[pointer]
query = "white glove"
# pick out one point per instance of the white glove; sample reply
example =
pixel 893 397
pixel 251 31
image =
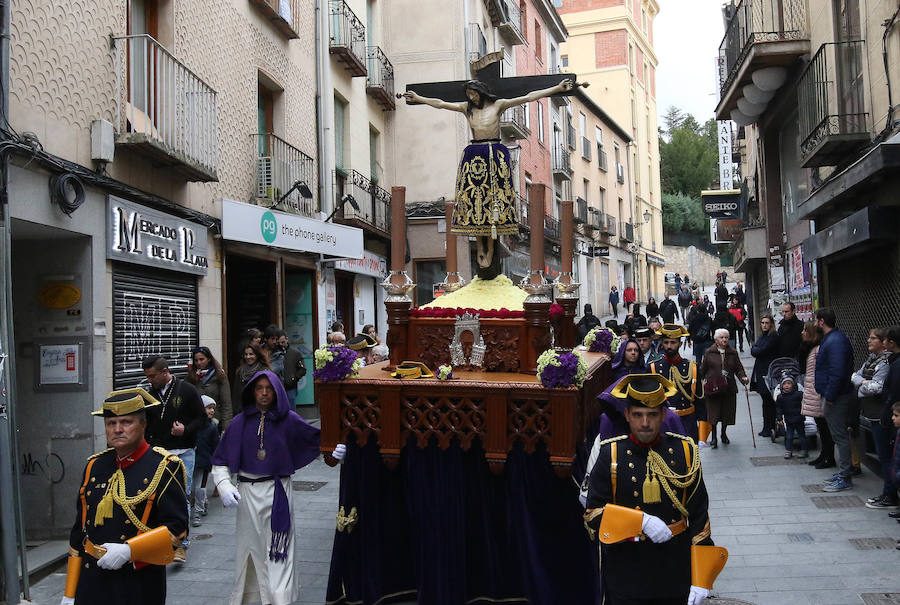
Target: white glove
pixel 697 596
pixel 116 556
pixel 702 444
pixel 67 601
pixel 340 450
pixel 229 494
pixel 655 529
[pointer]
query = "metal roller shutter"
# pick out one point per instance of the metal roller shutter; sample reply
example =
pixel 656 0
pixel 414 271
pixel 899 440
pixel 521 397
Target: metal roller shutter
pixel 154 313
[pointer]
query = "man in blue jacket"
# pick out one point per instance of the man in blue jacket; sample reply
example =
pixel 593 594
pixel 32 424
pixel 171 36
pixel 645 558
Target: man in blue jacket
pixel 834 366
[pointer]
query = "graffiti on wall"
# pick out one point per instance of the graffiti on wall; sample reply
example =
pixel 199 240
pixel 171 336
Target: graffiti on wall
pixel 52 467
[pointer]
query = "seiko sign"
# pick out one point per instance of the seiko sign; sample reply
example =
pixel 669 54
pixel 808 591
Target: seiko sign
pixel 137 234
pixel 721 204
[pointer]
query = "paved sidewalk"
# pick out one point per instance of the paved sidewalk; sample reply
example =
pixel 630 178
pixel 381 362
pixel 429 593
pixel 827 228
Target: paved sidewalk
pixel 787 546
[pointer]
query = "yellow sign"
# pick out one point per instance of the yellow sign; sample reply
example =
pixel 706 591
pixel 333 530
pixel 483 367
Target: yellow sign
pixel 59 295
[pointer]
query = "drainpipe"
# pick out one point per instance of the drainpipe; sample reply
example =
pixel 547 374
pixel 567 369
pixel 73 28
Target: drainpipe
pixel 635 282
pixel 10 511
pixel 324 108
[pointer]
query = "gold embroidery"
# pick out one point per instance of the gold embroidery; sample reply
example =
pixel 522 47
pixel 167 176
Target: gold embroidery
pixel 345 521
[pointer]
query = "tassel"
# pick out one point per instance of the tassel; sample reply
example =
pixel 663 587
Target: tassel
pixel 105 506
pixel 493 231
pixel 651 490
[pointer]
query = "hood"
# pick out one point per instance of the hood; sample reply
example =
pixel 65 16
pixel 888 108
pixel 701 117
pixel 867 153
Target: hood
pixel 618 359
pixel 282 404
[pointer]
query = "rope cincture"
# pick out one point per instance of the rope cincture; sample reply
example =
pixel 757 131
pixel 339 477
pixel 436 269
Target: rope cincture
pixel 667 477
pixel 115 493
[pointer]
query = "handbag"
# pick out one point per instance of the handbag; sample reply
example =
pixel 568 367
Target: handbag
pixel 716 384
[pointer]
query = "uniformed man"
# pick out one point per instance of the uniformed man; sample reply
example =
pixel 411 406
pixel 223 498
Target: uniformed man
pixel 647 505
pixel 130 513
pixel 682 373
pixel 644 338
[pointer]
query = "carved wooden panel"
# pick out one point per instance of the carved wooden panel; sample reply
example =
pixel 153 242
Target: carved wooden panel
pixel 360 415
pixel 528 420
pixel 503 353
pixel 443 418
pixel 430 344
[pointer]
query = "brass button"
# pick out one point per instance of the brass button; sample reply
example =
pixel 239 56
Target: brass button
pixel 93 479
pixel 628 452
pixel 670 451
pixel 146 481
pixel 122 537
pixel 637 508
pixel 634 479
pixel 635 494
pixel 631 465
pixel 86 565
pixel 672 462
pixel 127 521
pixel 89 492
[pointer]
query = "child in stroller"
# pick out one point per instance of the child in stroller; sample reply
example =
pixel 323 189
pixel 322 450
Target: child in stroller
pixel 788 404
pixel 777 371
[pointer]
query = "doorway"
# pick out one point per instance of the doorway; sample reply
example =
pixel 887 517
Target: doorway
pixel 250 300
pixel 343 289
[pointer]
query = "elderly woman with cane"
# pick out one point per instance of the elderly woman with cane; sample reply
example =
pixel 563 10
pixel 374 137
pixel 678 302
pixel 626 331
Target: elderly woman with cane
pixel 718 370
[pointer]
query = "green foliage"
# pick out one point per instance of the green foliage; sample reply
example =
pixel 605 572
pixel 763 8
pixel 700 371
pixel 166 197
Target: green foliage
pixel 688 154
pixel 681 213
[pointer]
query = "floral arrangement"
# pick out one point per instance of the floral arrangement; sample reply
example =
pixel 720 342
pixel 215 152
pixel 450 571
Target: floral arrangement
pixel 497 293
pixel 561 368
pixel 335 363
pixel 444 372
pixel 503 313
pixel 602 340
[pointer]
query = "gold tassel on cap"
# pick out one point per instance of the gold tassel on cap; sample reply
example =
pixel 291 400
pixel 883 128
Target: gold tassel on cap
pixel 105 506
pixel 651 489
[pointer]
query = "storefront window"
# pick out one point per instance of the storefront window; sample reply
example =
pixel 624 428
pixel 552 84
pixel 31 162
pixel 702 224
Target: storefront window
pixel 299 323
pixel 428 273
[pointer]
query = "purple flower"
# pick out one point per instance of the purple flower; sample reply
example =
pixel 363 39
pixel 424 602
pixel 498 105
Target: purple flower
pixel 602 342
pixel 338 368
pixel 563 375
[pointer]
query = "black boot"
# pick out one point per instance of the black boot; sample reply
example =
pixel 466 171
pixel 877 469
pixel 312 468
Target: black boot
pixel 725 438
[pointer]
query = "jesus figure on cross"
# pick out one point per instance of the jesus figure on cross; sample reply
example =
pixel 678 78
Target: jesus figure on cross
pixel 485 196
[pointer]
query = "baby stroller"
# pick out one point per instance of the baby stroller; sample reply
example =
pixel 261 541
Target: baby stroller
pixel 780 369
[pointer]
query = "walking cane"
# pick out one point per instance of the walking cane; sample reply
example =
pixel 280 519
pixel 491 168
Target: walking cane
pixel 750 415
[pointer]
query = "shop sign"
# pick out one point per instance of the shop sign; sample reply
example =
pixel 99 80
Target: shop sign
pixel 600 251
pixel 141 235
pixel 258 225
pixel 370 264
pixel 722 231
pixel 656 260
pixel 721 204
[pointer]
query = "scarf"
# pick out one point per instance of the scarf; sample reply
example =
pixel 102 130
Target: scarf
pixel 245 372
pixel 871 364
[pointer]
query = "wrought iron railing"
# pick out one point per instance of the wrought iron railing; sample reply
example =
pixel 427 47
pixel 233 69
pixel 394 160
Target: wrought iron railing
pixel 380 71
pixel 522 203
pixel 570 136
pixel 286 15
pixel 279 165
pixel 515 116
pixel 830 94
pixel 551 227
pixel 347 31
pixel 373 201
pixel 759 21
pixel 158 96
pixel 581 210
pixel 560 160
pixel 513 16
pixel 627 232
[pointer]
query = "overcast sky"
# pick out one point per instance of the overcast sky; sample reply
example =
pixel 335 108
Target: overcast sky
pixel 687 35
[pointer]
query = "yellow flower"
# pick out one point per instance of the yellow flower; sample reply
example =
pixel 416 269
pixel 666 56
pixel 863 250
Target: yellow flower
pixel 498 293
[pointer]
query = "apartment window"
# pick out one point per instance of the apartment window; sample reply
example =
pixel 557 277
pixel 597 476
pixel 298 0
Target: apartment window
pixel 565 60
pixel 538 43
pixel 601 201
pixel 371 30
pixel 598 134
pixel 621 210
pixel 374 155
pixel 633 115
pixel 523 9
pixel 340 133
pixel 540 125
pixel 527 116
pixel 631 59
pixel 616 153
pixel 582 124
pixel 268 96
pixel 646 76
pixel 587 186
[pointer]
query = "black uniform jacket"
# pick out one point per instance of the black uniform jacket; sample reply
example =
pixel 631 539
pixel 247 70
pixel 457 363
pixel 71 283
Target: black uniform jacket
pixel 127 585
pixel 643 569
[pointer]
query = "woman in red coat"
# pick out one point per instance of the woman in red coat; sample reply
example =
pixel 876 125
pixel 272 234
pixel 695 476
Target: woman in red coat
pixel 628 297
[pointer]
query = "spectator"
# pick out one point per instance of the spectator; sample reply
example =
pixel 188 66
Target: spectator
pixel 652 308
pixel 764 352
pixel 253 336
pixel 207 440
pixel 337 326
pixel 813 404
pixel 614 301
pixel 721 293
pixel 588 322
pixel 788 404
pixel 700 327
pixel 207 375
pixel 789 330
pixel 890 394
pixel 710 309
pixel 724 319
pixel 740 317
pixel 684 302
pixel 273 351
pixel 894 469
pixel 337 338
pixel 717 370
pixel 294 368
pixel 635 319
pixel 369 330
pixel 869 382
pixel 253 360
pixel 668 310
pixel 655 326
pixel 677 283
pixel 629 297
pixel 834 365
pixel 740 295
pixel 380 353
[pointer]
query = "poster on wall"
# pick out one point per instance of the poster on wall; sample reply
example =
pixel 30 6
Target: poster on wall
pixel 299 324
pixel 800 284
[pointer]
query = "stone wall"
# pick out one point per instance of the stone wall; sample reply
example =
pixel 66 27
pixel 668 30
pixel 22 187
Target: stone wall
pixel 705 265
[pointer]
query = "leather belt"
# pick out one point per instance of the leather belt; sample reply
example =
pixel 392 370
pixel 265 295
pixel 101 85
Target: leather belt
pixel 678 527
pixel 92 549
pixel 684 412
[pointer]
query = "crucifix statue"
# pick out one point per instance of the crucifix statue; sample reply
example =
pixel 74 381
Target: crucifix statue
pixel 485 195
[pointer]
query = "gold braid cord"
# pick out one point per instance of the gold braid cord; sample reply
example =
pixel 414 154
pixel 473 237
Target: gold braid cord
pixel 669 479
pixel 681 382
pixel 115 493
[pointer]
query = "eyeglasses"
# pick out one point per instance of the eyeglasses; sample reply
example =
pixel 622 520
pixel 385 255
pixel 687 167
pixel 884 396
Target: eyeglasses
pixel 873 338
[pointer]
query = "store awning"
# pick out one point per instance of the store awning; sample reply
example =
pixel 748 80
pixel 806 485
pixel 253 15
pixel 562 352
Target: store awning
pixel 867 227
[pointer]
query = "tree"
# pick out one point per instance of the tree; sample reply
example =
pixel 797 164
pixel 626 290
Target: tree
pixel 681 213
pixel 688 154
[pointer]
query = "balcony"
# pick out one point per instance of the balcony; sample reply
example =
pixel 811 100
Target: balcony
pixel 581 211
pixel 164 111
pixel 278 166
pixel 374 214
pixel 348 38
pixel 833 124
pixel 595 219
pixel 609 227
pixel 512 123
pixel 522 206
pixel 570 137
pixel 380 79
pixel 510 23
pixel 601 157
pixel 585 149
pixel 284 15
pixel 750 248
pixel 551 228
pixel 561 164
pixel 627 232
pixel 477 42
pixel 759 34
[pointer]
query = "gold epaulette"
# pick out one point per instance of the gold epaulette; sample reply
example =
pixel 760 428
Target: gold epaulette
pixel 98 454
pixel 683 438
pixel 611 439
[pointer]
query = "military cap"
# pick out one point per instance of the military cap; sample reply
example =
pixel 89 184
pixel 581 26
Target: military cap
pixel 359 343
pixel 648 390
pixel 672 331
pixel 643 332
pixel 412 369
pixel 126 401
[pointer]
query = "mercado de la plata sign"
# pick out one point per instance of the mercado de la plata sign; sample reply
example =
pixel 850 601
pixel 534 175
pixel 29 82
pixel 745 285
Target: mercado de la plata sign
pixel 141 235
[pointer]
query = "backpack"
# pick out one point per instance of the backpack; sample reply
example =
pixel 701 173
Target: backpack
pixel 703 333
pixel 684 298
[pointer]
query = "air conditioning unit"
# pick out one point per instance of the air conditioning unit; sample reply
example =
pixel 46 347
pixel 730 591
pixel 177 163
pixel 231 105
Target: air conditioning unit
pixel 265 178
